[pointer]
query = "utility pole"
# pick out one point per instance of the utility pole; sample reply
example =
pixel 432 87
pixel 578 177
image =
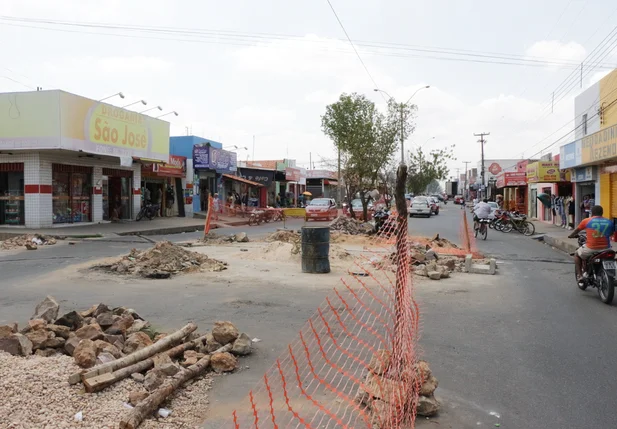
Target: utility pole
pixel 339 181
pixel 482 141
pixel 310 160
pixel 402 134
pixel 253 147
pixel 465 193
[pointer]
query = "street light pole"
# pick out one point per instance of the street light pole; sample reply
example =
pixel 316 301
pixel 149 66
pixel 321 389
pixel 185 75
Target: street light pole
pixel 402 105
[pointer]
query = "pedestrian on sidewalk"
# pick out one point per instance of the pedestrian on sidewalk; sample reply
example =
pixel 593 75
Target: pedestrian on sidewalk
pixel 216 207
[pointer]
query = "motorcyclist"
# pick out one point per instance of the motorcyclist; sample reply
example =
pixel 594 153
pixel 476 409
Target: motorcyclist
pixel 481 211
pixel 598 230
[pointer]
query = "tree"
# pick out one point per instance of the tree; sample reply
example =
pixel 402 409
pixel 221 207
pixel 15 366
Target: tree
pixel 365 139
pixel 387 180
pixel 434 187
pixel 424 168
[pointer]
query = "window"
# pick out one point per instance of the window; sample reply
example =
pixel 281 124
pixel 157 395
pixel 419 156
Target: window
pixel 585 124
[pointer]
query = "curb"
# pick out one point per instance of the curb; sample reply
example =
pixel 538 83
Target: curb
pixel 163 231
pixel 567 246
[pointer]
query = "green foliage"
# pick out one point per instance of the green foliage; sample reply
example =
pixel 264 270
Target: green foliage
pixel 366 140
pixel 434 187
pixel 424 168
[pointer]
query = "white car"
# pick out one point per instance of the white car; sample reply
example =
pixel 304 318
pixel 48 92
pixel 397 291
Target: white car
pixel 420 206
pixel 494 207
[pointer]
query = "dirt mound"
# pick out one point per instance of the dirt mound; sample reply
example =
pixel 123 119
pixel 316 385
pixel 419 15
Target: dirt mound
pixel 442 242
pixel 286 236
pixel 350 226
pixel 29 241
pixel 162 261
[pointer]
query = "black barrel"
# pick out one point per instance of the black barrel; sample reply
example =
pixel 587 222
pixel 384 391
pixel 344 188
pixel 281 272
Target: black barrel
pixel 316 249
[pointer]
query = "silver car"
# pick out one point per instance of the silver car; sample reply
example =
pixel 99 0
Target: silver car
pixel 420 206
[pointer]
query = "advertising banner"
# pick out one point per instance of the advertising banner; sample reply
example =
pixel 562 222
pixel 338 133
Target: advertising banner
pixel 321 174
pixel 570 155
pixel 295 174
pixel 60 120
pixel 510 179
pixel 265 177
pixel 176 167
pixel 600 146
pixel 223 161
pixel 546 172
pixel 201 157
pixel 585 174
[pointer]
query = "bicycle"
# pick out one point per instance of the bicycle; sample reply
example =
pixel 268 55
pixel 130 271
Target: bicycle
pixel 481 227
pixel 520 224
pixel 256 218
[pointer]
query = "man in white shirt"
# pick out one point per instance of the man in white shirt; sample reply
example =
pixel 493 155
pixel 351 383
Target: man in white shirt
pixel 481 211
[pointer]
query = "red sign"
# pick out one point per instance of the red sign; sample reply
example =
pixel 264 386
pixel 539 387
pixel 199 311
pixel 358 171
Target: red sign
pixel 510 179
pixel 494 169
pixel 295 174
pixel 175 168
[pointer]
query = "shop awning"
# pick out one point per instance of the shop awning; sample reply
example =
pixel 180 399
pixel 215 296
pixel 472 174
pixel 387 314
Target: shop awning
pixel 511 179
pixel 241 180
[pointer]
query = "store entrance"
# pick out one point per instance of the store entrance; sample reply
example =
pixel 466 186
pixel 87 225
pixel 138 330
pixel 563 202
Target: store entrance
pixel 12 193
pixel 71 193
pixel 117 194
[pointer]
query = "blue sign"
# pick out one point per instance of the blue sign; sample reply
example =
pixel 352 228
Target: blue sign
pixel 201 157
pixel 585 174
pixel 210 158
pixel 570 155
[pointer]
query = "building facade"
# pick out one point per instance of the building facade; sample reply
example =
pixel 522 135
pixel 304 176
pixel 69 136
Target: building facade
pixel 66 159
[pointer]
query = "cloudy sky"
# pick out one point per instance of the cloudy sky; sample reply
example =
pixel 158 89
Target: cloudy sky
pixel 238 69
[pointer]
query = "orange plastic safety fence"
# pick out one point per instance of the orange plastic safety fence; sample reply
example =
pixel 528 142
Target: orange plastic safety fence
pixel 353 364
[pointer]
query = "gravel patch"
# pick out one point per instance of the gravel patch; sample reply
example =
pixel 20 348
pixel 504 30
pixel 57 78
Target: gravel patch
pixel 35 393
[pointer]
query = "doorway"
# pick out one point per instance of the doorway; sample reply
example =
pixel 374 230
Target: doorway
pixel 117 195
pixel 533 203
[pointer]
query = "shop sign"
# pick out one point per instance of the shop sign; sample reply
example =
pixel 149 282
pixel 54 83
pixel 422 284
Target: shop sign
pixel 494 169
pixel 59 120
pixel 321 174
pixel 295 174
pixel 176 167
pixel 600 146
pixel 585 174
pixel 570 155
pixel 201 157
pixel 546 172
pixel 265 177
pixel 510 179
pixel 223 161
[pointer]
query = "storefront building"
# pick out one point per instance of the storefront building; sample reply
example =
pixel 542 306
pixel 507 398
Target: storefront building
pixel 545 177
pixel 513 184
pixel 210 163
pixel 322 183
pixel 296 184
pixel 267 193
pixel 162 184
pixel 66 159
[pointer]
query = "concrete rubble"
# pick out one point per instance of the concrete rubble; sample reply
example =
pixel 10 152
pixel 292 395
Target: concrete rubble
pixel 87 345
pixel 29 241
pixel 381 391
pixel 350 226
pixel 162 261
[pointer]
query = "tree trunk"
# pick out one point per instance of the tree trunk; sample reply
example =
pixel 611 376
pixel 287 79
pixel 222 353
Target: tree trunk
pixel 139 355
pixel 146 407
pixel 100 382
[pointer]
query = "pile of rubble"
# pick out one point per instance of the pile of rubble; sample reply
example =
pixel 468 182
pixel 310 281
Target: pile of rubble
pixel 213 238
pixel 29 241
pixel 284 235
pixel 381 392
pixel 161 261
pixel 437 241
pixel 350 226
pixel 116 345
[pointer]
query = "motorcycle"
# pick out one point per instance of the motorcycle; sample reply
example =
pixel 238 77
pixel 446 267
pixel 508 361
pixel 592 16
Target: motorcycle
pixel 599 271
pixel 383 223
pixel 148 210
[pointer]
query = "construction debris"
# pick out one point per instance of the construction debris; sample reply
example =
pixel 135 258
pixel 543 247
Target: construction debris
pixel 284 235
pixel 29 241
pixel 437 241
pixel 350 226
pixel 380 392
pixel 162 261
pixel 146 372
pixel 214 238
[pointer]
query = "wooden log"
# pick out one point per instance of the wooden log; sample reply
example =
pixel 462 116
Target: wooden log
pixel 135 357
pixel 146 407
pixel 156 398
pixel 100 382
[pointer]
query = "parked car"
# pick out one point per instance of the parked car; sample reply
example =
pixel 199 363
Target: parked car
pixel 356 206
pixel 434 202
pixel 321 209
pixel 458 199
pixel 494 207
pixel 420 206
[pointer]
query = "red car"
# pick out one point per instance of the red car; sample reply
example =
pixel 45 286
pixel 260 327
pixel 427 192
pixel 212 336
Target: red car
pixel 459 199
pixel 321 209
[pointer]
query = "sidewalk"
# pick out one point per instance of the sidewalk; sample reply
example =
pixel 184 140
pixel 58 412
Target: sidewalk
pixel 555 236
pixel 157 226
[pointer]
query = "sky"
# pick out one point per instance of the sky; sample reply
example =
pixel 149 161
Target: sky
pixel 244 71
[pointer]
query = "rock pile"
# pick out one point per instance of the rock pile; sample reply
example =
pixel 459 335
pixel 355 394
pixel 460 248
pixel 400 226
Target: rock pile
pixel 350 226
pixel 213 238
pixel 115 345
pixel 437 241
pixel 440 269
pixel 286 236
pixel 29 241
pixel 162 261
pixel 381 393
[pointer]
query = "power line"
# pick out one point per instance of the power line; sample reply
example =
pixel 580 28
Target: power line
pixel 253 39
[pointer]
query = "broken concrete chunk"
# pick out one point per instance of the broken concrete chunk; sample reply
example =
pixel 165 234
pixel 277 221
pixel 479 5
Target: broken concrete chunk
pixel 59 331
pixel 72 320
pixel 137 396
pixel 39 337
pixel 170 369
pixel 242 346
pixel 154 379
pixel 429 386
pixel 16 344
pixel 380 362
pixel 105 320
pixel 104 357
pixel 85 353
pixel 47 310
pixel 225 332
pixel 137 326
pixel 8 330
pixel 434 275
pixel 71 344
pixel 46 352
pixel 136 341
pixel 54 343
pixel 211 344
pixel 427 406
pixel 90 332
pixel 138 377
pixel 241 237
pixel 223 362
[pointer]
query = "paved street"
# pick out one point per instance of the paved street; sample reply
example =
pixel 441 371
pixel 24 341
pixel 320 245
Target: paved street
pixel 525 344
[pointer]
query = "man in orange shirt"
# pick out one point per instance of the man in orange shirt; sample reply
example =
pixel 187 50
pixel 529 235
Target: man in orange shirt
pixel 599 231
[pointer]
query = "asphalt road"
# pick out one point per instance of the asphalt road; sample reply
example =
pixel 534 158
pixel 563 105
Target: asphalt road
pixel 526 344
